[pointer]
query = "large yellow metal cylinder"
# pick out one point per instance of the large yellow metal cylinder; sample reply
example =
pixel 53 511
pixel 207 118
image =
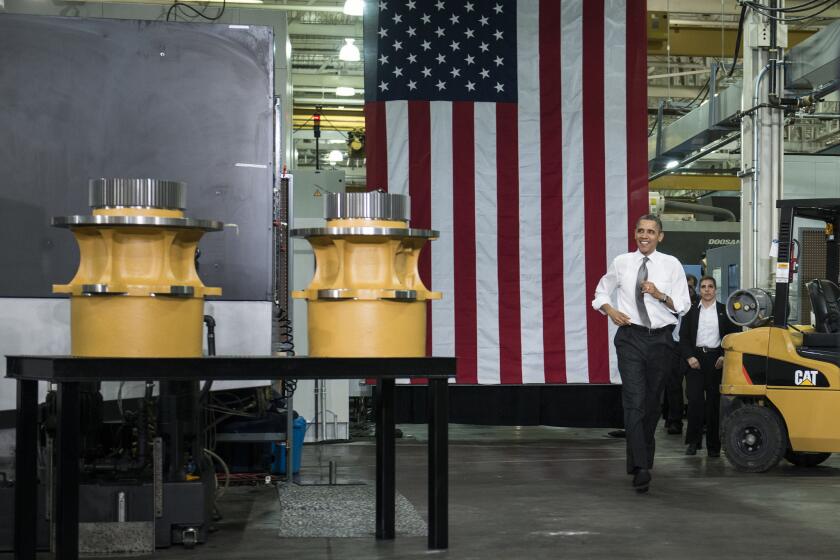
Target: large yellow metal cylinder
pixel 136 292
pixel 366 297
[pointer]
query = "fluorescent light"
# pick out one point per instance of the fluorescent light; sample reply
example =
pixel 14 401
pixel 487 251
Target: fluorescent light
pixel 354 7
pixel 335 157
pixel 671 164
pixel 345 91
pixel 349 52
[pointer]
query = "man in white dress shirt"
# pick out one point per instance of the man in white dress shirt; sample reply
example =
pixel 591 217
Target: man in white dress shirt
pixel 650 292
pixel 700 336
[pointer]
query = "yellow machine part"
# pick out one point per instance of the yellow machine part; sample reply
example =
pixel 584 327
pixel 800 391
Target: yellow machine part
pixel 126 326
pixel 140 266
pixel 809 412
pixel 367 328
pixel 367 277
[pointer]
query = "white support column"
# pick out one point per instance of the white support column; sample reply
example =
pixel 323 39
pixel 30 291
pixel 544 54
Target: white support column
pixel 758 223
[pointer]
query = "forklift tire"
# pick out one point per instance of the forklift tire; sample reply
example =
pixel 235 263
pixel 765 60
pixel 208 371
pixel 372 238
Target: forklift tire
pixel 754 439
pixel 803 459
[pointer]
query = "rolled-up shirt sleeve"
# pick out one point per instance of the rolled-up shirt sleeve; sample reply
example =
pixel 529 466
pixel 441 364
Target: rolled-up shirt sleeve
pixel 606 286
pixel 679 295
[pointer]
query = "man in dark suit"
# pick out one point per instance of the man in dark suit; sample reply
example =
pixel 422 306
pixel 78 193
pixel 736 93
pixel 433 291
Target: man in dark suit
pixel 673 403
pixel 701 332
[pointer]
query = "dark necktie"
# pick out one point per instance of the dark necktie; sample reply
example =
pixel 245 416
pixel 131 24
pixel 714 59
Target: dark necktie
pixel 641 276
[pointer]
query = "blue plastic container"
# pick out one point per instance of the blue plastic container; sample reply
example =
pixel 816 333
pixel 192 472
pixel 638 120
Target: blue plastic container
pixel 278 449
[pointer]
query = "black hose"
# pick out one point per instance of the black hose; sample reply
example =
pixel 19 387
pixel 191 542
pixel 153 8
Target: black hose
pixel 738 40
pixel 211 351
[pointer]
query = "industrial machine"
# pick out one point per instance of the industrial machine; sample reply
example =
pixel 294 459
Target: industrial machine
pixel 780 393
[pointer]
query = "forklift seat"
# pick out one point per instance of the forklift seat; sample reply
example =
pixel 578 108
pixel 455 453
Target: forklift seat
pixel 825 301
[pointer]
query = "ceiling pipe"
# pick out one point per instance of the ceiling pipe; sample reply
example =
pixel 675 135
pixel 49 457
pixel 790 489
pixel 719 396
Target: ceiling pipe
pixel 696 208
pixel 706 150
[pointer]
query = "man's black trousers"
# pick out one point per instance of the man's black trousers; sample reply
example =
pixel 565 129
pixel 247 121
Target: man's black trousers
pixel 702 387
pixel 644 358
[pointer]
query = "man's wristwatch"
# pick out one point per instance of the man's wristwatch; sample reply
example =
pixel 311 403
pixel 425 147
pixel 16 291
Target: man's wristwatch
pixel 664 298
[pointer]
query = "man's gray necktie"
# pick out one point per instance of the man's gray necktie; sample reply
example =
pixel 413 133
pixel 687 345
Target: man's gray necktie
pixel 641 276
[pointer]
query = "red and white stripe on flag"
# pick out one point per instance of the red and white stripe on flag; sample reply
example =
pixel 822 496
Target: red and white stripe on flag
pixel 532 199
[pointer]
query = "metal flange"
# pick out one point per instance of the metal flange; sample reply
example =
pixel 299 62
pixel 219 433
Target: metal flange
pixel 142 221
pixel 365 231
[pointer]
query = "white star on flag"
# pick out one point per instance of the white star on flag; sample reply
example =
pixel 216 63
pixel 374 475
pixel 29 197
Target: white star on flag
pixel 411 32
pixel 397 18
pixel 440 32
pixel 412 85
pixel 383 86
pixel 469 6
pixel 455 72
pixel 441 58
pixel 483 20
pixel 397 45
pixel 454 19
pixel 455 45
pixel 441 85
pixel 426 71
pixel 383 32
pixel 426 18
pixel 484 47
pixel 498 34
pixel 498 8
pixel 469 33
pixel 498 60
pixel 383 59
pixel 412 58
pixel 470 86
pixel 440 5
pixel 383 6
pixel 397 71
pixel 411 4
pixel 426 45
pixel 470 59
pixel 484 73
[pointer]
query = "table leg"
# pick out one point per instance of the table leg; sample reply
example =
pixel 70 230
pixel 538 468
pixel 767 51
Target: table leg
pixel 26 475
pixel 385 462
pixel 67 472
pixel 438 463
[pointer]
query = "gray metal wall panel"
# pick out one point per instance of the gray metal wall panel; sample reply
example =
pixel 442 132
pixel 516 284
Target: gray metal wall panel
pixel 85 98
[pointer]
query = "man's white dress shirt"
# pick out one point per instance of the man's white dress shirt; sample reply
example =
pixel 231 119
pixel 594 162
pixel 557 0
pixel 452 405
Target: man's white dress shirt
pixel 708 329
pixel 664 271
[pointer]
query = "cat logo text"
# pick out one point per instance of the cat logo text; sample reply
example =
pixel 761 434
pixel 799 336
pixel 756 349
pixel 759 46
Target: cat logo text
pixel 806 377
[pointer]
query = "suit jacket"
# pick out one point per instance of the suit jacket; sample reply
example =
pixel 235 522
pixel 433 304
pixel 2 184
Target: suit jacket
pixel 688 330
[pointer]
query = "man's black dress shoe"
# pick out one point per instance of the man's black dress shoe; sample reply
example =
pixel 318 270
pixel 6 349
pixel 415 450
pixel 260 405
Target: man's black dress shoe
pixel 714 453
pixel 641 480
pixel 691 449
pixel 674 428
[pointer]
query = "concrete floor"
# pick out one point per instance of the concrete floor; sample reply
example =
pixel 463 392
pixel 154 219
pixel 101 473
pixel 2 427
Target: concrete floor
pixel 539 492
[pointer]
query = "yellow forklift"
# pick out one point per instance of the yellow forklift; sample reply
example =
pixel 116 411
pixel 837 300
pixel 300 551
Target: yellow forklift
pixel 780 392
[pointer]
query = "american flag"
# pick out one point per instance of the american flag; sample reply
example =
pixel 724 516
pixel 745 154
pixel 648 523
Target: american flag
pixel 518 128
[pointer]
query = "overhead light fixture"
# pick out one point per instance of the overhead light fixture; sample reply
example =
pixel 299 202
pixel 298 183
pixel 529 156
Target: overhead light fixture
pixel 354 7
pixel 345 91
pixel 349 52
pixel 335 157
pixel 671 164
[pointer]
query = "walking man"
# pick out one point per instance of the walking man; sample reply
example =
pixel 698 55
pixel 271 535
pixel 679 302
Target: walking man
pixel 702 329
pixel 650 291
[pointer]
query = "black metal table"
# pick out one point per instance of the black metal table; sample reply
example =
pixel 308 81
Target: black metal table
pixel 68 372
